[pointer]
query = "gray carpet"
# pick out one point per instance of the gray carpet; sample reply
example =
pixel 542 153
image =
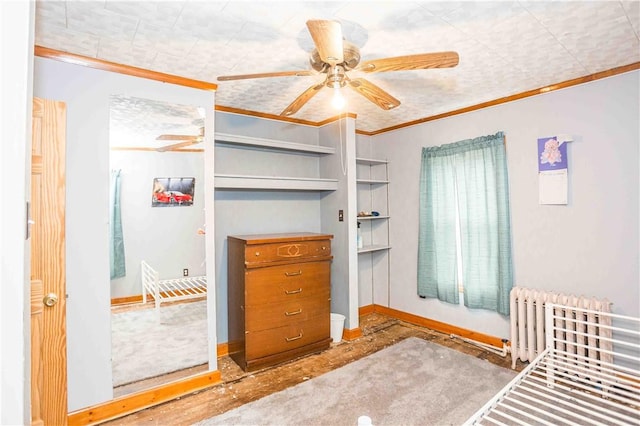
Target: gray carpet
pixel 144 345
pixel 413 382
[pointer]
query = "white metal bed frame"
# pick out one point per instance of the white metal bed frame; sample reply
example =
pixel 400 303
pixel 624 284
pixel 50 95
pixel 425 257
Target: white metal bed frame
pixel 589 373
pixel 170 290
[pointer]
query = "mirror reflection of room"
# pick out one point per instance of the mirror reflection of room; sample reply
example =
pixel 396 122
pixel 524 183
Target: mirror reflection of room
pixel 157 246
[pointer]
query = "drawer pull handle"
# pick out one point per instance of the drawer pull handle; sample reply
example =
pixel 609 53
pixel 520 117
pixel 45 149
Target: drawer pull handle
pixel 299 311
pixel 257 253
pixel 291 339
pixel 293 274
pixel 293 291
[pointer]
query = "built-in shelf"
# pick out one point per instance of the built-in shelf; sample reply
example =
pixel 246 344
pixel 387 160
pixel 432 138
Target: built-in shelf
pixel 372 181
pixel 225 138
pixel 372 178
pixel 372 217
pixel 375 247
pixel 370 161
pixel 224 181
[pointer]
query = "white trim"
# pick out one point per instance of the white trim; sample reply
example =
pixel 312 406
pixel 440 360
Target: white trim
pixel 16 79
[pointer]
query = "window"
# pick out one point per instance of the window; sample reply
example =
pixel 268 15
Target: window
pixel 465 183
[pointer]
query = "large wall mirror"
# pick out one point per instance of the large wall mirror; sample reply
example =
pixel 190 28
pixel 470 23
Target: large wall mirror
pixel 157 243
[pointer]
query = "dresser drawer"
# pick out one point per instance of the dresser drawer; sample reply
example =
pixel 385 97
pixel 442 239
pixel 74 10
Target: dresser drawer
pixel 276 315
pixel 267 342
pixel 275 284
pixel 286 251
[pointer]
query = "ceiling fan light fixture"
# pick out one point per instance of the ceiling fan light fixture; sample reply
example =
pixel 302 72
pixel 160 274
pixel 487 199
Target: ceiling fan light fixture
pixel 338 101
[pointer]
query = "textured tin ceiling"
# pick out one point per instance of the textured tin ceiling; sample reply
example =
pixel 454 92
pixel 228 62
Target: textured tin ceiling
pixel 505 47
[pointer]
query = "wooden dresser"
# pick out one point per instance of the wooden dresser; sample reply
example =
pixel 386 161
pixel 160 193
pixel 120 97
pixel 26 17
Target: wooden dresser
pixel 279 297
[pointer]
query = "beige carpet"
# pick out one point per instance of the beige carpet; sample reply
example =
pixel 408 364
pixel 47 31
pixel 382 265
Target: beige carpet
pixel 413 382
pixel 144 345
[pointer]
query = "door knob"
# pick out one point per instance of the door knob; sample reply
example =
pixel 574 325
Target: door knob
pixel 50 299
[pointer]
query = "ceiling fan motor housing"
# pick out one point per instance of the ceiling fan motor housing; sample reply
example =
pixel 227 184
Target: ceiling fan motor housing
pixel 336 77
pixel 351 58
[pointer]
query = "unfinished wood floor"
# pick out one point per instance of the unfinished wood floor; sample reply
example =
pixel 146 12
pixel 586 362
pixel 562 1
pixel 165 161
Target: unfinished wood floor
pixel 239 388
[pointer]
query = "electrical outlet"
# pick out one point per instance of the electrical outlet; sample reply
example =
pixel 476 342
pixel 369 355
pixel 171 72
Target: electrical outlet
pixel 340 215
pixel 185 272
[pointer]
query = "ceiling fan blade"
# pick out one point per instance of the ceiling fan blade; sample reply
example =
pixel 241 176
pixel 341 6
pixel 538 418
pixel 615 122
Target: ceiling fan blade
pixel 175 137
pixel 327 36
pixel 302 99
pixel 411 62
pixel 176 146
pixel 375 94
pixel 300 73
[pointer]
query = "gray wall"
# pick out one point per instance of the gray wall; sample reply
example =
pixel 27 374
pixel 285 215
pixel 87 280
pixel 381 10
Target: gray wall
pixel 344 298
pixel 86 92
pixel 165 237
pixel 588 247
pixel 258 212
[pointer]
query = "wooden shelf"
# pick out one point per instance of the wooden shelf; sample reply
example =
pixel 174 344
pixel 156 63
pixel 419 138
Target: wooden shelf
pixel 370 161
pixel 224 138
pixel 375 247
pixel 224 181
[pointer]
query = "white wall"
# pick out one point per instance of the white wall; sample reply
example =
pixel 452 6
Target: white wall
pixel 16 45
pixel 589 246
pixel 165 237
pixel 87 92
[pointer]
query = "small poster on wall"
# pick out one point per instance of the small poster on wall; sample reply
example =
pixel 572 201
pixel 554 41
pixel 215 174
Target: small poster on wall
pixel 553 169
pixel 173 192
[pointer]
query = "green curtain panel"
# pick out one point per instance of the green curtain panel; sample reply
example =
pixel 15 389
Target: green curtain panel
pixel 116 240
pixel 469 177
pixel 437 260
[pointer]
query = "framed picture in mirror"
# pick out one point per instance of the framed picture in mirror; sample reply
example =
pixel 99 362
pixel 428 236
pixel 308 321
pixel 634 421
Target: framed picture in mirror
pixel 173 192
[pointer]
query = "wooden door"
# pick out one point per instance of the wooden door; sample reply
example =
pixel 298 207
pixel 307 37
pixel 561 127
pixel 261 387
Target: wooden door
pixel 48 276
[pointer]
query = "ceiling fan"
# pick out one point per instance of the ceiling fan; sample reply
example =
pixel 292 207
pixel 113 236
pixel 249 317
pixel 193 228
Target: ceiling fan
pixel 335 57
pixel 186 141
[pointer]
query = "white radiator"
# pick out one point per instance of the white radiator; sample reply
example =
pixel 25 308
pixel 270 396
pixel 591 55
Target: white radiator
pixel 528 322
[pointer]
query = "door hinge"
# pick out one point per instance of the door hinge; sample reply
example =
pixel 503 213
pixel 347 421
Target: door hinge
pixel 29 221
